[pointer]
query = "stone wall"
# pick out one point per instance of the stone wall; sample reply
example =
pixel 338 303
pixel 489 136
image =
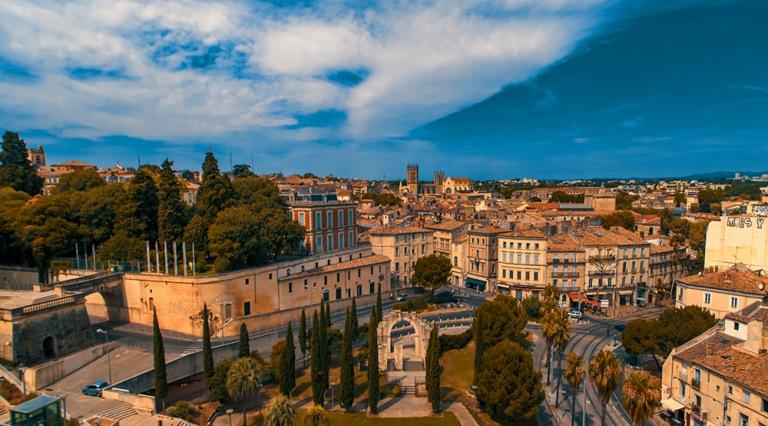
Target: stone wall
pixel 17 278
pixel 50 372
pixel 68 325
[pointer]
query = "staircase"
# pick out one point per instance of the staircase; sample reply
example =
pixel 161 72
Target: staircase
pixel 118 413
pixel 408 389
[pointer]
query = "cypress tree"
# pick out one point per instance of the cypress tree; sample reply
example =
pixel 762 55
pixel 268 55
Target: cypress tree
pixel 316 362
pixel 287 379
pixel 433 370
pixel 347 365
pixel 170 209
pixel 303 336
pixel 328 322
pixel 355 324
pixel 379 311
pixel 479 346
pixel 244 347
pixel 216 191
pixel 207 352
pixel 160 375
pixel 15 169
pixel 324 349
pixel 373 366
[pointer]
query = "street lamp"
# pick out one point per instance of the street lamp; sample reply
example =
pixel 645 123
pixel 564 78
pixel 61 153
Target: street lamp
pixel 109 360
pixel 229 412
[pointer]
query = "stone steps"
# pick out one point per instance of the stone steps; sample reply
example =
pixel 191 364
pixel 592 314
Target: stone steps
pixel 118 413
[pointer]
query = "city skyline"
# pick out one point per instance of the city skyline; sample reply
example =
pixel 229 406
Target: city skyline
pixel 549 90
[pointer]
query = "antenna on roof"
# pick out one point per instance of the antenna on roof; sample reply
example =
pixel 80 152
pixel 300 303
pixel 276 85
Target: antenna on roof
pixel 139 157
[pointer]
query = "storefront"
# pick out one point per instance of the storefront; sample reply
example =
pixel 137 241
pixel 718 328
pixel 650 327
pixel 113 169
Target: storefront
pixel 475 284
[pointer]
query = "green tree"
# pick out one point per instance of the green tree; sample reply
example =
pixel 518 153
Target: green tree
pixel 355 324
pixel 280 412
pixel 171 217
pixel 216 192
pixel 373 366
pixel 559 344
pixel 303 341
pixel 679 325
pixel 564 197
pixel 574 374
pixel 641 396
pixel 13 249
pixel 278 234
pixel 503 318
pixel 640 337
pixel 137 213
pixel 316 363
pixel 379 309
pixel 217 383
pixel 79 180
pixel 207 351
pixel 680 199
pixel 122 247
pixel 15 169
pixel 479 347
pixel 347 364
pixel 532 306
pixel 233 239
pixel 710 200
pixel 623 218
pixel 324 349
pixel 508 386
pixel 241 170
pixel 196 234
pixel 244 345
pixel 605 372
pixel 159 373
pixel 287 377
pixel 243 378
pixel 328 322
pixel 433 370
pixel 431 271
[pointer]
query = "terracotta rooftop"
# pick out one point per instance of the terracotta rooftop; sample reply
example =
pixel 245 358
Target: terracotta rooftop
pixel 564 242
pixel 397 230
pixel 524 233
pixel 719 353
pixel 735 279
pixel 447 225
pixel 596 236
pixel 488 230
pixel 756 311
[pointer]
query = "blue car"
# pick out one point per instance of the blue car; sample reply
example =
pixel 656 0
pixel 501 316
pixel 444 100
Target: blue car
pixel 95 388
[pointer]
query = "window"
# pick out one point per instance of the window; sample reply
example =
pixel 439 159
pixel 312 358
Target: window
pixel 535 259
pixel 503 244
pixel 247 281
pixel 736 326
pixel 330 242
pixel 535 276
pixel 305 285
pixel 455 261
pixel 338 293
pixel 351 239
pixel 765 405
pixel 290 287
pixel 734 302
pixel 519 275
pixel 247 308
pixel 270 275
pixel 682 390
pixel 329 219
pixel 326 294
pixel 340 221
pixel 318 220
pixel 371 288
pixel 503 273
pixel 301 218
pixel 730 389
pixel 359 290
pixel 519 258
pixel 341 240
pixel 743 420
pixel 527 275
pixel 351 220
pixel 536 246
pixel 319 243
pixel 745 395
pixel 680 294
pixel 707 298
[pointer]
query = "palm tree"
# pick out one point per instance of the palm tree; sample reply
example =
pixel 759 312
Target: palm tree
pixel 549 298
pixel 280 412
pixel 641 396
pixel 243 377
pixel 574 374
pixel 316 416
pixel 605 371
pixel 553 325
pixel 560 341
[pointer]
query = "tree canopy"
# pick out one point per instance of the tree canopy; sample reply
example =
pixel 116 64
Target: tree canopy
pixel 432 271
pixel 15 169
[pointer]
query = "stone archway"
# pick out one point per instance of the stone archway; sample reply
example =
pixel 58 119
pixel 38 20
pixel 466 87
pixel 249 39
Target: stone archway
pixel 388 352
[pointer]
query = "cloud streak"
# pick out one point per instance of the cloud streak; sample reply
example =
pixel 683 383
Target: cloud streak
pixel 183 69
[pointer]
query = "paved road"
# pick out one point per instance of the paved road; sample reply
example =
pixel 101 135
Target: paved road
pixel 587 341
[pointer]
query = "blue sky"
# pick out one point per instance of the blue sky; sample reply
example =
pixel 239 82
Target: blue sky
pixel 488 89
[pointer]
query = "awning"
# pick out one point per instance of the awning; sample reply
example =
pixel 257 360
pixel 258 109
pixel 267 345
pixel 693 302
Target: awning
pixel 475 281
pixel 503 286
pixel 575 297
pixel 672 404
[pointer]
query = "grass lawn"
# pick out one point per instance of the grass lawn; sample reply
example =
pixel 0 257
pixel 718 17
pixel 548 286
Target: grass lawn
pixel 360 419
pixel 458 369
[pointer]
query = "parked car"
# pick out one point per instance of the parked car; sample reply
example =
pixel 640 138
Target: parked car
pixel 402 298
pixel 576 314
pixel 620 327
pixel 95 388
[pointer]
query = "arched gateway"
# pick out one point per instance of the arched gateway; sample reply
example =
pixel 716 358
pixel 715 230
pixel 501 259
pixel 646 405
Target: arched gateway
pixel 395 353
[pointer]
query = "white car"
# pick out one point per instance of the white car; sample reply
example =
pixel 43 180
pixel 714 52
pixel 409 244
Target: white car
pixel 575 314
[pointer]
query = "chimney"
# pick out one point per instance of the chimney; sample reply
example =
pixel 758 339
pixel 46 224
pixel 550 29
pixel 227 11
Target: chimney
pixel 755 342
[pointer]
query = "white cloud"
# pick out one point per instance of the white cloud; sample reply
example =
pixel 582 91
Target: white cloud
pixel 423 60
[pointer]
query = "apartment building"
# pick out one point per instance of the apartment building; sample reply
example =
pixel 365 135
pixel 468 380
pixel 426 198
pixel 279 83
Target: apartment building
pixel 445 233
pixel 739 238
pixel 617 265
pixel 666 266
pixel 522 263
pixel 482 258
pixel 566 265
pixel 403 246
pixel 721 377
pixel 723 291
pixel 330 224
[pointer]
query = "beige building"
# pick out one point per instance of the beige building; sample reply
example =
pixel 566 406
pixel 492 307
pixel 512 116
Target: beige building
pixel 566 265
pixel 445 233
pixel 264 297
pixel 522 261
pixel 722 292
pixel 482 258
pixel 739 239
pixel 403 246
pixel 721 377
pixel 667 265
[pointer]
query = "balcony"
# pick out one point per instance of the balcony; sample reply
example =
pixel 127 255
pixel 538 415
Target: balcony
pixel 696 410
pixel 568 274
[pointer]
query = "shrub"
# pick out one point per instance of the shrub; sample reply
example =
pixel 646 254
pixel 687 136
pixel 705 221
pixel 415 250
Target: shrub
pixel 532 307
pixel 184 410
pixel 455 341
